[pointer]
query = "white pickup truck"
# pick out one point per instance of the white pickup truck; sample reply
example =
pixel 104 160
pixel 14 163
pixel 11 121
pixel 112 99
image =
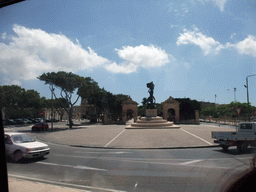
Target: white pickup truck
pixel 242 138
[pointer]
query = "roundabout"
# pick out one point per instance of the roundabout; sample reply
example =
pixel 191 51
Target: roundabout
pixel 117 136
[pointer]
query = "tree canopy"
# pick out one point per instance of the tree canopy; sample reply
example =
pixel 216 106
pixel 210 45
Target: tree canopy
pixel 68 83
pixel 229 110
pixel 18 102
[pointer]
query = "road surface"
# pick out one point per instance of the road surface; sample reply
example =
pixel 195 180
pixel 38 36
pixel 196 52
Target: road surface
pixel 92 169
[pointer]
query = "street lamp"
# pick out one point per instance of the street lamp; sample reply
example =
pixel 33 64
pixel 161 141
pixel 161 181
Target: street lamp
pixel 247 87
pixel 52 89
pixel 235 94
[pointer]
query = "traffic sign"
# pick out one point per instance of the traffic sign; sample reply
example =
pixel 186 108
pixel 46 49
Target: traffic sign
pixel 41 113
pixel 238 110
pixel 254 113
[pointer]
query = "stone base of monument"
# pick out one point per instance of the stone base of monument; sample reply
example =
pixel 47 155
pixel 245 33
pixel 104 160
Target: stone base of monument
pixel 152 123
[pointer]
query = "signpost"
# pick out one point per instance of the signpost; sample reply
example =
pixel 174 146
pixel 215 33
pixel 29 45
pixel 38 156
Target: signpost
pixel 238 110
pixel 41 113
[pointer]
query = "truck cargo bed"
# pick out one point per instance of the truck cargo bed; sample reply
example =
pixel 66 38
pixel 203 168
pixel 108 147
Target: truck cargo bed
pixel 233 136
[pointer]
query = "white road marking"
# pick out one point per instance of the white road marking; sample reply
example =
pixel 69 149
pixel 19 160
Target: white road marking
pixel 190 162
pixel 114 139
pixel 61 183
pixel 152 161
pixel 72 166
pixel 197 137
pixel 117 152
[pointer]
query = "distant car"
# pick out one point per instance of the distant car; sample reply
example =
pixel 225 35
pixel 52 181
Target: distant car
pixel 10 122
pixel 20 145
pixel 52 120
pixel 40 127
pixel 19 121
pixel 27 121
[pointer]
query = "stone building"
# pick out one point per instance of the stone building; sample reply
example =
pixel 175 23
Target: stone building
pixel 86 109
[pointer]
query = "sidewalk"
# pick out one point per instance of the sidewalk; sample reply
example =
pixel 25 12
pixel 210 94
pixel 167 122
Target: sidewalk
pixel 22 185
pixel 116 136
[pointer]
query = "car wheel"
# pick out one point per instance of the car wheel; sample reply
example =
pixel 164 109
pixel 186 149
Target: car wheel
pixel 242 147
pixel 225 147
pixel 17 155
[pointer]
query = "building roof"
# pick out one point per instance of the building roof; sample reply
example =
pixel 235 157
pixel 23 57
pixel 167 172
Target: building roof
pixel 129 101
pixel 170 100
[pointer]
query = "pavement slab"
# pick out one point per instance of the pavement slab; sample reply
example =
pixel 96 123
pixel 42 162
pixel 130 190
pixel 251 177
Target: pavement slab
pixel 21 185
pixel 91 136
pixel 155 138
pixel 116 136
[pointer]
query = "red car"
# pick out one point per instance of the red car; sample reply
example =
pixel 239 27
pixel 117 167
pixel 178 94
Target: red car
pixel 40 127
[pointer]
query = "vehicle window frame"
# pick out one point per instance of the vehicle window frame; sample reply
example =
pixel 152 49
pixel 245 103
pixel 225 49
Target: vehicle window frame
pixel 246 126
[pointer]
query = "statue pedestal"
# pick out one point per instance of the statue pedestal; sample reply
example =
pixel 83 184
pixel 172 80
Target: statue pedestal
pixel 151 112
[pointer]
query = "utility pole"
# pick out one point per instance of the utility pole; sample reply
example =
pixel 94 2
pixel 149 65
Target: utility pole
pixel 247 87
pixel 215 99
pixel 52 89
pixel 235 94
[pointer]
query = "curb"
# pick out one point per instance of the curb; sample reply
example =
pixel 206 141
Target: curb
pixel 140 148
pixel 62 184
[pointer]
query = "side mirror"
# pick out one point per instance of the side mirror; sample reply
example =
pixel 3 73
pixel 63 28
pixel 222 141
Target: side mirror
pixel 8 142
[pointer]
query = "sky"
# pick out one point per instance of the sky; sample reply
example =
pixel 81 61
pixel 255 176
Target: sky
pixel 195 49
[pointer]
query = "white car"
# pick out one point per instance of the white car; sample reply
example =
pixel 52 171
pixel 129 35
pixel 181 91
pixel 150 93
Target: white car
pixel 19 145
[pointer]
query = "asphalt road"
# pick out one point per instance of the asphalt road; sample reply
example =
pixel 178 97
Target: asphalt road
pixel 201 169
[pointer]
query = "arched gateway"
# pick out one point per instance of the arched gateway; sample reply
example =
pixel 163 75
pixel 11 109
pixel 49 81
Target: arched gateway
pixel 174 106
pixel 130 105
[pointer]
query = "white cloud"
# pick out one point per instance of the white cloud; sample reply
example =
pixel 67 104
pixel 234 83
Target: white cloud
pixel 139 56
pixel 247 46
pixel 12 82
pixel 207 44
pixel 4 35
pixel 219 3
pixel 232 35
pixel 34 51
pixel 124 68
pixel 31 52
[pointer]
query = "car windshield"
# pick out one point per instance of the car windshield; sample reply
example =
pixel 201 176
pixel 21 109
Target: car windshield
pixel 21 138
pixel 128 94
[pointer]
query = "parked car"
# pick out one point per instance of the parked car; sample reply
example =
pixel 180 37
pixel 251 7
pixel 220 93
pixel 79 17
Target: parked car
pixel 40 127
pixel 52 120
pixel 27 121
pixel 19 121
pixel 10 122
pixel 20 145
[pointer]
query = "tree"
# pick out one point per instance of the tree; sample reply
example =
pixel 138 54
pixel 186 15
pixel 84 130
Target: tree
pixel 144 101
pixel 115 106
pixel 10 99
pixel 208 111
pixel 58 104
pixel 188 107
pixel 67 83
pixel 245 111
pixel 30 103
pixel 18 102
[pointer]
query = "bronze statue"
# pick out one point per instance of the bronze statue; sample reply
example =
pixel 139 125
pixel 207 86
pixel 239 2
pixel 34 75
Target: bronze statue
pixel 151 99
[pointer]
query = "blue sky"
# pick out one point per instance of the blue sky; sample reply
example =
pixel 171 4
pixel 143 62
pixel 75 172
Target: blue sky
pixel 193 48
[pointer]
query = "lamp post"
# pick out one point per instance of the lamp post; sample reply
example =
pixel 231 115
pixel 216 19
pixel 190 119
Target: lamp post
pixel 215 99
pixel 52 89
pixel 235 94
pixel 247 87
